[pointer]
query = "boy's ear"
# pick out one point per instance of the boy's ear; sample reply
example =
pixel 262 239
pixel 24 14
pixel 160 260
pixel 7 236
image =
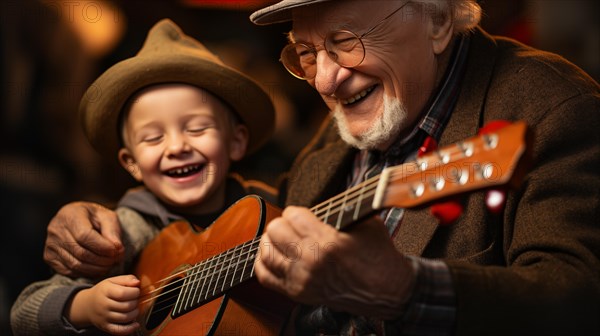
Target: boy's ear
pixel 239 142
pixel 129 163
pixel 441 32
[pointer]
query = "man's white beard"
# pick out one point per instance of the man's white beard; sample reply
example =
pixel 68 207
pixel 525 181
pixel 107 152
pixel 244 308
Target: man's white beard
pixel 384 128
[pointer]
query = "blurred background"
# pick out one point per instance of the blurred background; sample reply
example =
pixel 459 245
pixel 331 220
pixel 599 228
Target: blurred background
pixel 52 50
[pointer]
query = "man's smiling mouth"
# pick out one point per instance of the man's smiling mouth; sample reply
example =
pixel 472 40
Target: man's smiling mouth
pixel 359 96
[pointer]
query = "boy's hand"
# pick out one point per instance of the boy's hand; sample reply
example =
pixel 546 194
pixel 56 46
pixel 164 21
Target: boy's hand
pixel 111 305
pixel 84 239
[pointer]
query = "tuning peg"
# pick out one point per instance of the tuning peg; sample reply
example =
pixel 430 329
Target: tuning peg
pixel 495 199
pixel 446 212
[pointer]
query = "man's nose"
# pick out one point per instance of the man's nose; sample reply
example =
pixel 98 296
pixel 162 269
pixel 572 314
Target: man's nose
pixel 329 74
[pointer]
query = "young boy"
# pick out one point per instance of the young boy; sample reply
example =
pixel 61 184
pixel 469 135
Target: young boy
pixel 176 117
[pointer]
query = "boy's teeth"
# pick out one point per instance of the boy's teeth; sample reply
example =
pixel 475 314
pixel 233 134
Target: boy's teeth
pixel 184 170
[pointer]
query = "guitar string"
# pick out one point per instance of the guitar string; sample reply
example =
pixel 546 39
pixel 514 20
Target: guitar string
pixel 206 296
pixel 197 265
pixel 327 206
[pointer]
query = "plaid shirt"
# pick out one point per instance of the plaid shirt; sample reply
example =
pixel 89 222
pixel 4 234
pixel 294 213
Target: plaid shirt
pixel 431 308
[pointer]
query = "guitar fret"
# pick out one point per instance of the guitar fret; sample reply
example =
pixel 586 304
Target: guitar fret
pixel 359 202
pixel 179 302
pixel 228 266
pixel 217 272
pixel 206 284
pixel 192 282
pixel 326 217
pixel 240 250
pixel 251 254
pixel 199 287
pixel 198 282
pixel 341 211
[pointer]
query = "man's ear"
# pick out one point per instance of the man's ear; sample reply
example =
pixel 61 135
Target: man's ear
pixel 441 31
pixel 239 142
pixel 129 163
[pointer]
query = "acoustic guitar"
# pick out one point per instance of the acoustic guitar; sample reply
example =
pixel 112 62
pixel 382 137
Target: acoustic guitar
pixel 202 282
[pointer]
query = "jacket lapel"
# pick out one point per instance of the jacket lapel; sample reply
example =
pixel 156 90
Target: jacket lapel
pixel 468 112
pixel 418 226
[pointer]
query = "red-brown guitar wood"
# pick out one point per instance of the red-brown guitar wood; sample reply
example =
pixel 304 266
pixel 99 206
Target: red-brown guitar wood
pixel 247 309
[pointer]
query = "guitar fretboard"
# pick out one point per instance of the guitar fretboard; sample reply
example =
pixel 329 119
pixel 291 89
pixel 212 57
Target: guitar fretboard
pixel 212 277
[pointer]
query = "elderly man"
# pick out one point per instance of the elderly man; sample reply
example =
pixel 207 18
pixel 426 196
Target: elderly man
pixel 399 77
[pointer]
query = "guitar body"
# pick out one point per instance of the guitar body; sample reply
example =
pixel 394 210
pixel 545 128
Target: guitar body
pixel 245 309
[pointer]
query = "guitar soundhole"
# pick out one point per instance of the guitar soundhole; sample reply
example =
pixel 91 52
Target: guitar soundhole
pixel 163 304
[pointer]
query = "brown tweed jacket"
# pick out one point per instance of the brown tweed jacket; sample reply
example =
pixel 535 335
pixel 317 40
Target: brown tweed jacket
pixel 535 268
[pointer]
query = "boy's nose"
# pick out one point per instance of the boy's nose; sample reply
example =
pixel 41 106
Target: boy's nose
pixel 177 145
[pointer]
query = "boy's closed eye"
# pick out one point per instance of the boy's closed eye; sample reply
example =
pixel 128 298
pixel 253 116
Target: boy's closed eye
pixel 196 130
pixel 152 138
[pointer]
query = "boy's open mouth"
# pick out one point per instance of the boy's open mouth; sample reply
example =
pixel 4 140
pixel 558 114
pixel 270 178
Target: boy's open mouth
pixel 184 171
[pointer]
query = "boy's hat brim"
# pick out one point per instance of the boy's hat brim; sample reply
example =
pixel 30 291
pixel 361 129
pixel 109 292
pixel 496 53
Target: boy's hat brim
pixel 279 12
pixel 169 56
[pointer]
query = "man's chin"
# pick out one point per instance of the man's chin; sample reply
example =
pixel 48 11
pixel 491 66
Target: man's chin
pixel 360 142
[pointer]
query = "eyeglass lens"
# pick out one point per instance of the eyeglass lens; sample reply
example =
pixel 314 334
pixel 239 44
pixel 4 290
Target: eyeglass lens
pixel 342 47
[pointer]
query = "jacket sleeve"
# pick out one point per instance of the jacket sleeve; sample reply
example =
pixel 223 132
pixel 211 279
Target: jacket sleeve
pixel 39 309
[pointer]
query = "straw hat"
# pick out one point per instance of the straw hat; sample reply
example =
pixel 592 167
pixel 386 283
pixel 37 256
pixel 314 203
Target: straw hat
pixel 169 56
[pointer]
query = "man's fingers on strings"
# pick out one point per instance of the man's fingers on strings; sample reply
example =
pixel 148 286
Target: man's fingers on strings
pixel 281 231
pixel 267 278
pixel 300 219
pixel 271 257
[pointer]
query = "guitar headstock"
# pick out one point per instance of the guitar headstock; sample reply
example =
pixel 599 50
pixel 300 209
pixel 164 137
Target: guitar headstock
pixel 483 161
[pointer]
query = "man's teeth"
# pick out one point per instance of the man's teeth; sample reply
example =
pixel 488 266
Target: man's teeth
pixel 357 97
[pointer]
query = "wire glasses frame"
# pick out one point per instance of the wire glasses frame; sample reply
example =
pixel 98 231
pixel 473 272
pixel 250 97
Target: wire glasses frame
pixel 342 46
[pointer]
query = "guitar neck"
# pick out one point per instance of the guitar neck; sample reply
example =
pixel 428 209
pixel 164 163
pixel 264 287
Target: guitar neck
pixel 482 161
pixel 350 206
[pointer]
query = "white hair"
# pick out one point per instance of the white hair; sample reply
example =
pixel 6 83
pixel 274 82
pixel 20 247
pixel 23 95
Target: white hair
pixel 465 14
pixel 382 130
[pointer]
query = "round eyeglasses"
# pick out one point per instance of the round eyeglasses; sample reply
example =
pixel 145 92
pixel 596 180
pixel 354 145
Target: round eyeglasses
pixel 342 46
